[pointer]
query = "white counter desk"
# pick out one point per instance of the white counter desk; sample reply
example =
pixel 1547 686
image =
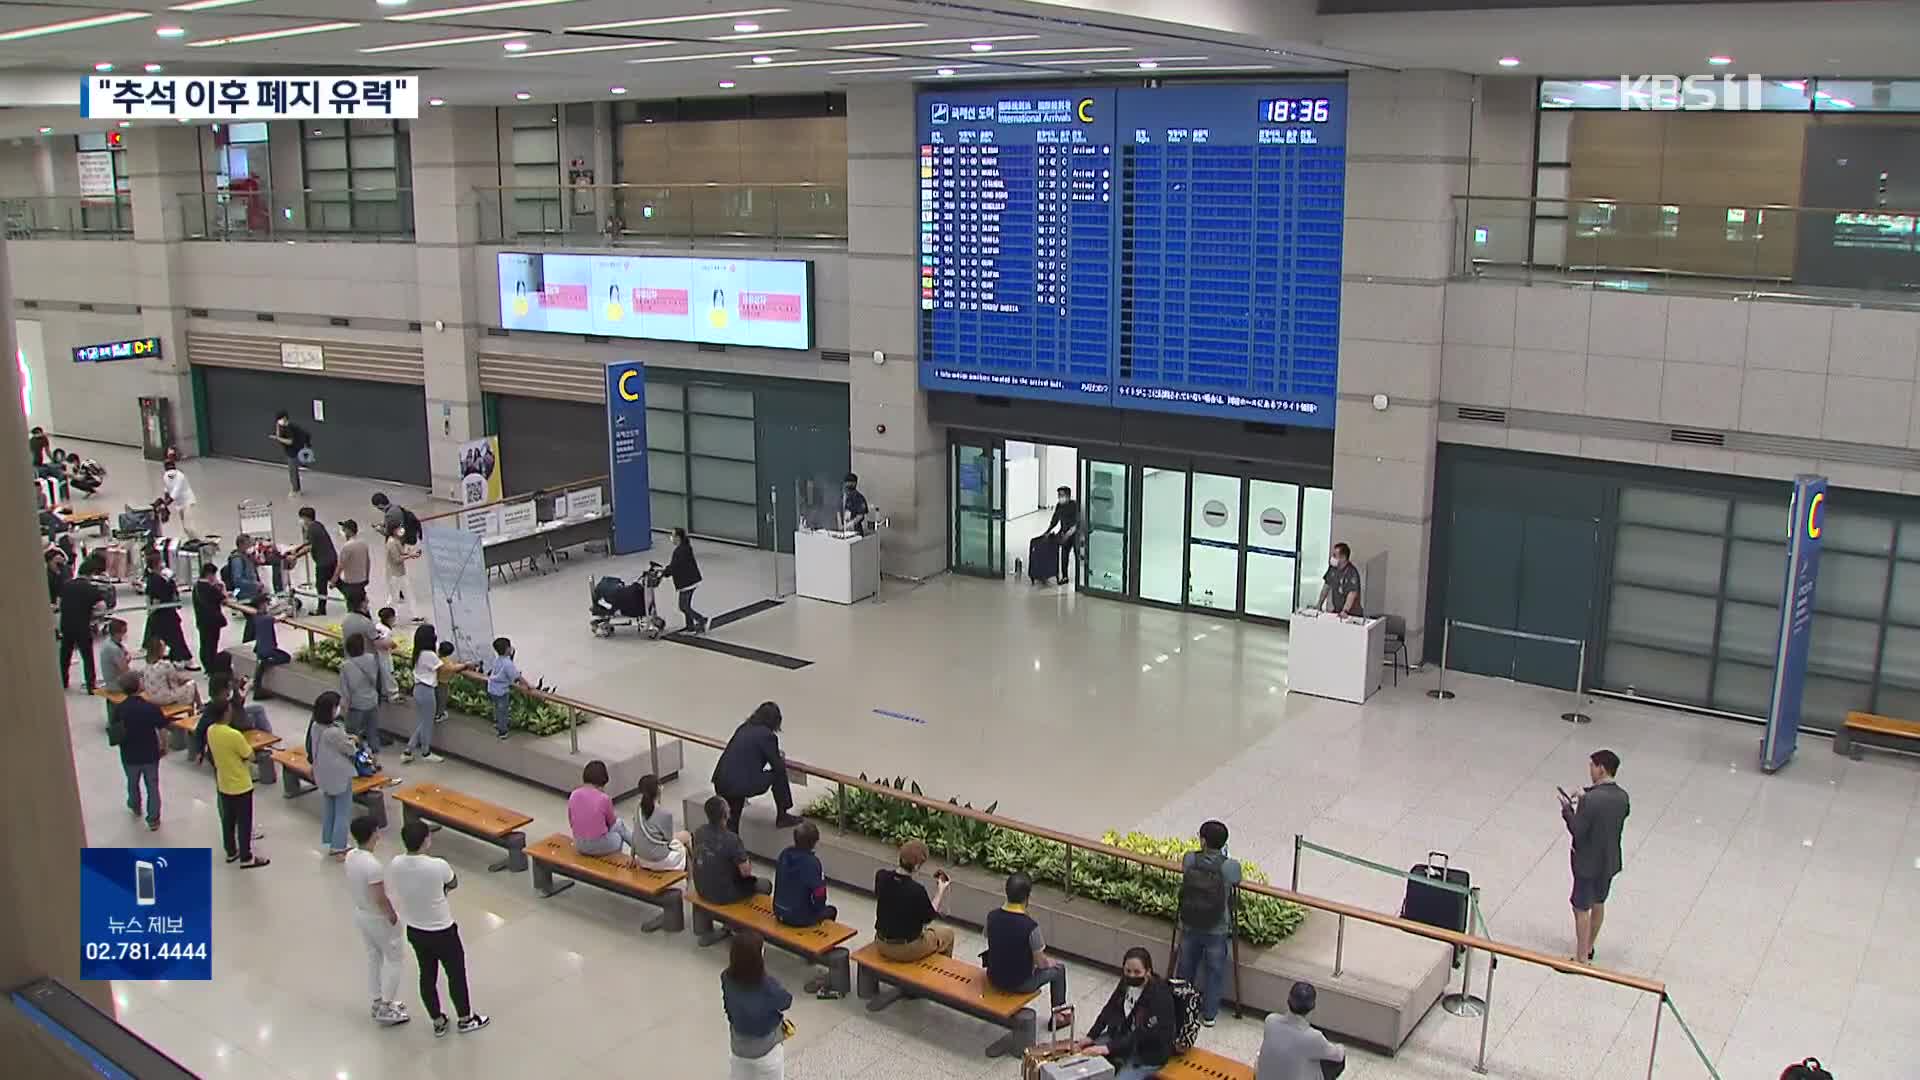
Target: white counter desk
pixel 1332 657
pixel 844 569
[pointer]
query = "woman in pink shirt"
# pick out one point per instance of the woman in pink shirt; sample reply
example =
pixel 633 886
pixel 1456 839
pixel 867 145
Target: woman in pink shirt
pixel 597 830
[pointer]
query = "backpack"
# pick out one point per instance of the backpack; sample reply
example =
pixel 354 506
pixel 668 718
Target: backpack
pixel 226 575
pixel 409 526
pixel 1186 1003
pixel 1203 891
pixel 1810 1069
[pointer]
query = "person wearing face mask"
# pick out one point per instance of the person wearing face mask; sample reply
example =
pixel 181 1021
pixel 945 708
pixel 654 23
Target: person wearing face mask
pixel 163 616
pixel 1208 882
pixel 1136 1028
pixel 1064 529
pixel 853 505
pixel 1340 585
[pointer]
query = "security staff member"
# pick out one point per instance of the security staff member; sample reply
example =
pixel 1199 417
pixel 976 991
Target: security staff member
pixel 1340 588
pixel 853 505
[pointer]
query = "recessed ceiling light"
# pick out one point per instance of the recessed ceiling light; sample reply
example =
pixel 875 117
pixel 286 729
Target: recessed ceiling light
pixel 103 66
pixel 469 39
pixel 436 102
pixel 46 131
pixel 186 120
pixel 745 27
pixel 665 20
pixel 73 24
pixel 515 46
pixel 944 72
pixel 473 9
pixel 818 31
pixel 272 35
pixel 982 46
pixel 521 95
pixel 1719 61
pixel 649 119
pixel 1148 65
pixel 1509 61
pixel 153 69
pixel 126 123
pixel 763 59
pixel 170 31
pixel 616 89
pixel 726 84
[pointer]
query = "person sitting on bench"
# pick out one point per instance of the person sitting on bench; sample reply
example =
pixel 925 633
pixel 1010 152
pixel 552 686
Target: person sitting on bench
pixel 1136 1029
pixel 656 846
pixel 1291 1048
pixel 799 882
pixel 1016 958
pixel 721 872
pixel 753 765
pixel 903 915
pixel 597 830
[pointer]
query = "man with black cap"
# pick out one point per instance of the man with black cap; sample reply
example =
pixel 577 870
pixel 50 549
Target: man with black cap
pixel 1292 1049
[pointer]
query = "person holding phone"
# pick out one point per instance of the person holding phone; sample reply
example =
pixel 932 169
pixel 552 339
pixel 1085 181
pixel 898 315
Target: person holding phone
pixel 904 914
pixel 417 884
pixel 1595 819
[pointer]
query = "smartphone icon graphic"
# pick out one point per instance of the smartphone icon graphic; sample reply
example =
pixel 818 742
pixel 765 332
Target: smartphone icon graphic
pixel 143 883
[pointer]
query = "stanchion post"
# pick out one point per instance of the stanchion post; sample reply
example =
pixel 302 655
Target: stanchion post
pixel 1653 1051
pixel 1339 945
pixel 1296 861
pixel 1486 1014
pixel 841 798
pixel 1579 691
pixel 773 533
pixel 1440 691
pixel 653 752
pixel 1464 1003
pixel 573 729
pixel 1069 881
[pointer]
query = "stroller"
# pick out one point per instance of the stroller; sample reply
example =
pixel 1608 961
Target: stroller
pixel 614 603
pixel 141 523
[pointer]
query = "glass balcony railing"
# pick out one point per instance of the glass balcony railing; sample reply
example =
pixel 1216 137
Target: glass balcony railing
pixel 67 217
pixel 1814 252
pixel 665 215
pixel 348 214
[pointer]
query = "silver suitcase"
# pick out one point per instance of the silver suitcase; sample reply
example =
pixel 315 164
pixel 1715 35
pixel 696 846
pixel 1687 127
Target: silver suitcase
pixel 1077 1068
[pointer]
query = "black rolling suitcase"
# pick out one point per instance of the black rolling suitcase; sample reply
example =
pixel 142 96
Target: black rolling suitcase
pixel 1426 903
pixel 1043 559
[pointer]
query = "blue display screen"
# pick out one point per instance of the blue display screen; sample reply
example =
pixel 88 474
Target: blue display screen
pixel 1175 248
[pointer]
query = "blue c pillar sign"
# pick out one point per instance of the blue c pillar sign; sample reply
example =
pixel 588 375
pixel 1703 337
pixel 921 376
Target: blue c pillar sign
pixel 1806 520
pixel 627 457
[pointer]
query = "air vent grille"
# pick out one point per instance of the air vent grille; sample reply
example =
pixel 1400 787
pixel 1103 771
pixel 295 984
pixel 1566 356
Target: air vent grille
pixel 706 347
pixel 1480 414
pixel 335 320
pixel 1691 437
pixel 495 331
pixel 262 316
pixel 836 356
pixel 196 313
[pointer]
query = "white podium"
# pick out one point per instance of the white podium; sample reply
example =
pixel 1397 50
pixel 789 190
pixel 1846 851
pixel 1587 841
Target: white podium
pixel 839 567
pixel 1332 657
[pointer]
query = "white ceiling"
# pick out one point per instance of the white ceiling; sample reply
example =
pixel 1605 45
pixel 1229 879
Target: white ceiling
pixel 700 48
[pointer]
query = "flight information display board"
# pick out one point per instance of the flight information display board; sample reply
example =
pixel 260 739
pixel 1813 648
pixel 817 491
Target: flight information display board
pixel 1173 248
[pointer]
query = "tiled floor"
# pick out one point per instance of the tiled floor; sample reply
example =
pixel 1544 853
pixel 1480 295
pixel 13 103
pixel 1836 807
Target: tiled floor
pixel 1778 909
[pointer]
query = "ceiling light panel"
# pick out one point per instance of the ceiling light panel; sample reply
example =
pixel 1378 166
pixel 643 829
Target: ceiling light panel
pixel 1051 52
pixel 669 20
pixel 822 31
pixel 934 41
pixel 207 5
pixel 473 9
pixel 711 56
pixel 272 35
pixel 823 63
pixel 899 70
pixel 1144 60
pixel 624 46
pixel 470 39
pixel 88 23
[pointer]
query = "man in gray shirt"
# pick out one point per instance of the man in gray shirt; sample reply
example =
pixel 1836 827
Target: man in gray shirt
pixel 1595 819
pixel 1292 1049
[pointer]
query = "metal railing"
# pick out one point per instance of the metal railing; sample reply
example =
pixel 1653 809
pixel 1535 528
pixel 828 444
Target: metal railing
pixel 1789 252
pixel 664 215
pixel 350 214
pixel 1580 699
pixel 67 217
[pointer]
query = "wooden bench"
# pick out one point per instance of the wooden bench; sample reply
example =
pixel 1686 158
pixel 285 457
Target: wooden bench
pixel 822 943
pixel 1198 1064
pixel 93 519
pixel 556 855
pixel 1870 724
pixel 185 720
pixel 296 779
pixel 953 983
pixel 477 818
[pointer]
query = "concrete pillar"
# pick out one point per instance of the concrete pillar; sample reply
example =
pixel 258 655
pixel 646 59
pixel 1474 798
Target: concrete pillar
pixel 1408 142
pixel 163 164
pixel 455 149
pixel 42 832
pixel 901 458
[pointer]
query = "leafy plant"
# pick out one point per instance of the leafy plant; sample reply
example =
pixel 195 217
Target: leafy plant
pixel 1131 886
pixel 524 712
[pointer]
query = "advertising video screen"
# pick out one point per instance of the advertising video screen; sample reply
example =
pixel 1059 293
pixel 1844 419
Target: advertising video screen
pixel 762 303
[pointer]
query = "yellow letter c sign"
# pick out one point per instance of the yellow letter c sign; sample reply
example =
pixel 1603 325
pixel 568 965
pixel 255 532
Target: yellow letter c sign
pixel 1814 522
pixel 1085 111
pixel 626 394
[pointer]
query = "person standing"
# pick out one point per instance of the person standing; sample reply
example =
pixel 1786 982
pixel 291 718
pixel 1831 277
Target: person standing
pixel 378 923
pixel 317 543
pixel 1208 880
pixel 366 680
pixel 78 597
pixel 355 567
pixel 233 771
pixel 426 671
pixel 1064 528
pixel 417 884
pixel 141 725
pixel 1290 1047
pixel 330 752
pixel 163 612
pixel 753 765
pixel 296 444
pixel 399 554
pixel 114 661
pixel 756 1006
pixel 685 572
pixel 1340 585
pixel 853 505
pixel 1595 819
pixel 503 677
pixel 178 493
pixel 209 612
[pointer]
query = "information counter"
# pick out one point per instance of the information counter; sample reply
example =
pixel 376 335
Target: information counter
pixel 1333 657
pixel 840 567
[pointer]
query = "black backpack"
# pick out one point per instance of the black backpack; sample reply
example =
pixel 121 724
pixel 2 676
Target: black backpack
pixel 1810 1069
pixel 409 526
pixel 1203 891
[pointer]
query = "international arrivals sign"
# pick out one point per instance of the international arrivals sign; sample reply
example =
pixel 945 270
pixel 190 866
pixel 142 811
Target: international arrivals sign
pixel 249 97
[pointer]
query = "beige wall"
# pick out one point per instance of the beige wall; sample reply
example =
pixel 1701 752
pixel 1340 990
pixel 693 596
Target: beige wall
pixel 798 151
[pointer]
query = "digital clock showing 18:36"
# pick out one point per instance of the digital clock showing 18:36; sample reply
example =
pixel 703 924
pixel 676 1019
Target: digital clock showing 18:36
pixel 1295 110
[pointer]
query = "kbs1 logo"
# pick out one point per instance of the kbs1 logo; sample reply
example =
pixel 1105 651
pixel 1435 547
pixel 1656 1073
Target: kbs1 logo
pixel 1694 93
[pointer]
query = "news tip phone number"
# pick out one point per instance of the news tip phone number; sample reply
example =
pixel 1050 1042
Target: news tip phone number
pixel 146 950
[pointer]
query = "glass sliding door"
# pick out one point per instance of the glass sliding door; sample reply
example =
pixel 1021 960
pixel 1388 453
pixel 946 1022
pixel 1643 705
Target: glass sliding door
pixel 1273 548
pixel 1163 531
pixel 1105 486
pixel 1214 540
pixel 979 509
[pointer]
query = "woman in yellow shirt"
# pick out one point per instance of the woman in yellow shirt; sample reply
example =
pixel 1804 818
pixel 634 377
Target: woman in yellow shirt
pixel 233 777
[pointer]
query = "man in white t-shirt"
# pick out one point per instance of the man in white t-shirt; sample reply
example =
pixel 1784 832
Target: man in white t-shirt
pixel 417 884
pixel 179 493
pixel 379 924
